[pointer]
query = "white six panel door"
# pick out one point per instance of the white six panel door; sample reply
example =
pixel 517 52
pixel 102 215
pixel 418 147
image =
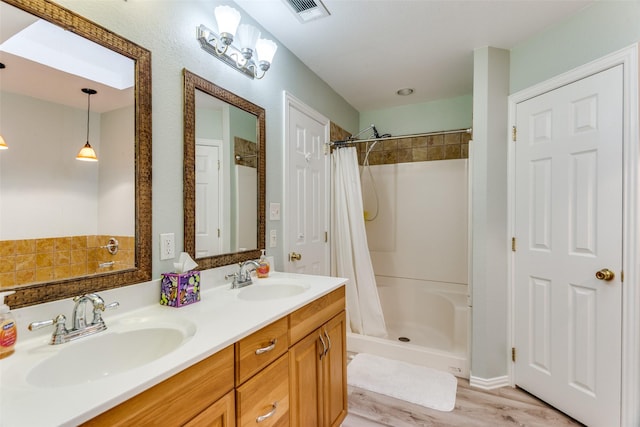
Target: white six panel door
pixel 307 191
pixel 568 226
pixel 208 200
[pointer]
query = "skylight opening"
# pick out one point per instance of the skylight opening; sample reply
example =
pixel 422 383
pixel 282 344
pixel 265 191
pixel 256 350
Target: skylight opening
pixel 54 47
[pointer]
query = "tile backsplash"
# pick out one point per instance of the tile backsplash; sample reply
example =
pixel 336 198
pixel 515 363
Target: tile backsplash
pixel 29 261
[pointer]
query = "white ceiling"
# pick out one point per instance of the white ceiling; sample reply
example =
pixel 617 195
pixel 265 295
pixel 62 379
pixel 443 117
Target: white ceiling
pixel 368 49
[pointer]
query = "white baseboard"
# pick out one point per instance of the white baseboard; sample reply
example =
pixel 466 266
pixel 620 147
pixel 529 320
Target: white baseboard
pixel 489 383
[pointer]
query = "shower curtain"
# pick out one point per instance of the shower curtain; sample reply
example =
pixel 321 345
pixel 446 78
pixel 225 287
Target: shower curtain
pixel 349 249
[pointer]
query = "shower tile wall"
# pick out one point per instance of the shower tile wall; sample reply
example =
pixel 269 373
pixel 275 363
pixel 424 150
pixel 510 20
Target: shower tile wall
pixel 418 149
pixel 247 150
pixel 406 150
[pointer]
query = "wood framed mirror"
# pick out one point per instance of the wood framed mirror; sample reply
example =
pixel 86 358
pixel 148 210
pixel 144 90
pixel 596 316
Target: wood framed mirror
pixel 59 282
pixel 230 229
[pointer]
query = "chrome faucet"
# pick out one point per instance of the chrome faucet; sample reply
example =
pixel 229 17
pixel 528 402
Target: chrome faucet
pixel 243 277
pixel 80 328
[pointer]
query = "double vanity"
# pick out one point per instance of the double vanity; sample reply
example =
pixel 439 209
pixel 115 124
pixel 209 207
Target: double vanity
pixel 272 353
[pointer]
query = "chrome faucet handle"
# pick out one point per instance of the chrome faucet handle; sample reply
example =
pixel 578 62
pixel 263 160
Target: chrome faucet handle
pixel 98 309
pixel 60 324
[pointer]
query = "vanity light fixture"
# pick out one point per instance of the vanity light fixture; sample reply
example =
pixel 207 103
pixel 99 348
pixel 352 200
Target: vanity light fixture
pixel 87 152
pixel 249 54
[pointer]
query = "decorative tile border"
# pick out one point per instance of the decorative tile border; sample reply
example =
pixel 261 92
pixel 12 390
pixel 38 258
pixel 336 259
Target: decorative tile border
pixel 412 149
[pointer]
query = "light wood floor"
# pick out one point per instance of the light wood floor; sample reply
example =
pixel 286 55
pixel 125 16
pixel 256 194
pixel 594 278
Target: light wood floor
pixel 474 408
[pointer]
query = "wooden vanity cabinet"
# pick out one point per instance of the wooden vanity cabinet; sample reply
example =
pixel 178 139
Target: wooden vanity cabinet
pixel 317 363
pixel 290 372
pixel 179 399
pixel 317 375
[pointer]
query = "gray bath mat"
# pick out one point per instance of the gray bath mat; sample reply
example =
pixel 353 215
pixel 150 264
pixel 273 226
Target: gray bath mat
pixel 416 384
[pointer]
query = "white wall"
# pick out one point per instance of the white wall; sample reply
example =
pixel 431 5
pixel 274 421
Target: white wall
pixel 490 240
pixel 421 228
pixel 116 205
pixel 39 163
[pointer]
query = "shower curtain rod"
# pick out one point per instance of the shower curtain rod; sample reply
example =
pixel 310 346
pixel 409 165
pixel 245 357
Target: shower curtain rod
pixel 415 135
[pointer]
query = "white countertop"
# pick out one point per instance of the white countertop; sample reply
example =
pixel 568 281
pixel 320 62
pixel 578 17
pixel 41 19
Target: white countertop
pixel 221 318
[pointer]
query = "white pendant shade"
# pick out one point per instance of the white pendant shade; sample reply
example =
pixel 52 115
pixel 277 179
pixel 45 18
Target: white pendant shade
pixel 266 50
pixel 247 36
pixel 227 19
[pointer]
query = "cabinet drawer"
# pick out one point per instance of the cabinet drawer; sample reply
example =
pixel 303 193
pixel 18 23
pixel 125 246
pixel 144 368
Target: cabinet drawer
pixel 261 348
pixel 200 385
pixel 310 317
pixel 265 395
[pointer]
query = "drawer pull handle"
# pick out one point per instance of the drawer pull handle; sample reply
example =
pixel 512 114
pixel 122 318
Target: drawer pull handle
pixel 328 342
pixel 267 348
pixel 324 346
pixel 269 414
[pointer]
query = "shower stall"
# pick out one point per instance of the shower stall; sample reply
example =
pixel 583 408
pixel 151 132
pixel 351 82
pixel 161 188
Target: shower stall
pixel 416 213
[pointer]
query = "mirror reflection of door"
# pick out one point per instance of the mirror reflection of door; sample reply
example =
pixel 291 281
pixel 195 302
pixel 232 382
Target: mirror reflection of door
pixel 209 203
pixel 226 196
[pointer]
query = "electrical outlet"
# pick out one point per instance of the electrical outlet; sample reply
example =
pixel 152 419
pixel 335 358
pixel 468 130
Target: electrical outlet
pixel 274 211
pixel 273 238
pixel 167 246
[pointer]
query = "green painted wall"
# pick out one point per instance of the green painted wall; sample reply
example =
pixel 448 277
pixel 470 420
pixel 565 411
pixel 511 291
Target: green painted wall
pixel 601 28
pixel 444 114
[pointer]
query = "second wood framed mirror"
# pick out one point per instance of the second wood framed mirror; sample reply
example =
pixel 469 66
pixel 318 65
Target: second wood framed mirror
pixel 224 174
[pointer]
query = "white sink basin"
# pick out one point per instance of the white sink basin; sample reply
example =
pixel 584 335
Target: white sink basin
pixel 108 353
pixel 260 292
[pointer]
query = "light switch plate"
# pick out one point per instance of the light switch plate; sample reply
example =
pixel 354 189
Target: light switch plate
pixel 273 238
pixel 274 211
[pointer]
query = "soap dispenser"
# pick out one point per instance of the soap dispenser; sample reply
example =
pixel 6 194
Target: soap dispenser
pixel 263 266
pixel 8 329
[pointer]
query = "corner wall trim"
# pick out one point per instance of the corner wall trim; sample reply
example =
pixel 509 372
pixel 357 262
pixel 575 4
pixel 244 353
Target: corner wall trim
pixel 489 383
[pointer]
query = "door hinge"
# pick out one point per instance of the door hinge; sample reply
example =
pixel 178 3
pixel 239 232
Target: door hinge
pixel 326 236
pixel 218 232
pixel 218 164
pixel 513 354
pixel 513 244
pixel 621 276
pixel 514 133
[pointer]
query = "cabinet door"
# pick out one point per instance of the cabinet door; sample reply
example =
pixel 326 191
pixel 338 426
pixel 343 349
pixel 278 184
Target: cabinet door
pixel 220 414
pixel 335 371
pixel 305 375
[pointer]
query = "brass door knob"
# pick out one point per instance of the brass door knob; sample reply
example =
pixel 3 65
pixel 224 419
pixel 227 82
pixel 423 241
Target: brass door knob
pixel 295 257
pixel 605 274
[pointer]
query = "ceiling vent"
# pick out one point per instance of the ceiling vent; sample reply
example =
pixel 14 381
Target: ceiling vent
pixel 307 10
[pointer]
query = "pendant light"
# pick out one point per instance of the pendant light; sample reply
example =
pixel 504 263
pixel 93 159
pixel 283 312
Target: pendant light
pixel 87 153
pixel 3 144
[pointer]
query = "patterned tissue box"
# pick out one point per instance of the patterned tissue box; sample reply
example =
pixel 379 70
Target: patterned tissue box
pixel 178 289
